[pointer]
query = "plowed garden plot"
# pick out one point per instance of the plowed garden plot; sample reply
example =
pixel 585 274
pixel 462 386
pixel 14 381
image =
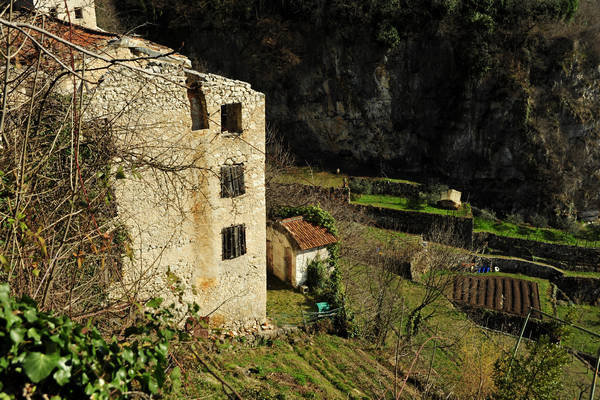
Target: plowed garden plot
pixel 501 293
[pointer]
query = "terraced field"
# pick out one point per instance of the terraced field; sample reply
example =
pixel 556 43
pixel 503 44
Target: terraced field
pixel 500 293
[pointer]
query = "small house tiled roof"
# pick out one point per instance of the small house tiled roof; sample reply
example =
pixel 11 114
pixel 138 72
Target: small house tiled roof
pixel 95 40
pixel 307 235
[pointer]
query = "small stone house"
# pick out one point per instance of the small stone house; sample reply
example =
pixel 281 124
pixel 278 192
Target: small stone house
pixel 292 244
pixel 450 199
pixel 191 148
pixel 80 12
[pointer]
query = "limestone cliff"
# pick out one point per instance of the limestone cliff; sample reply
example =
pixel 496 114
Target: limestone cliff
pixel 522 134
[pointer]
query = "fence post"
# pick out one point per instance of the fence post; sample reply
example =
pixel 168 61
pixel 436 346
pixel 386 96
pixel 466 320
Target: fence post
pixel 517 345
pixel 593 389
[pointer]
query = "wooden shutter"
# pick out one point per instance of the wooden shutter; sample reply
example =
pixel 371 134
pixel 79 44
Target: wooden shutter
pixel 232 180
pixel 242 239
pixel 240 176
pixel 233 241
pixel 224 243
pixel 226 181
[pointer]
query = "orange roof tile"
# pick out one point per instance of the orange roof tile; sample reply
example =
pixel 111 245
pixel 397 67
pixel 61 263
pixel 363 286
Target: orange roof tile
pixel 91 39
pixel 307 235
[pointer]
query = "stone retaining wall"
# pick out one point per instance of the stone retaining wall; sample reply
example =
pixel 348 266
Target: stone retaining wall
pixel 394 188
pixel 582 290
pixel 418 223
pixel 524 267
pixel 568 257
pixel 340 194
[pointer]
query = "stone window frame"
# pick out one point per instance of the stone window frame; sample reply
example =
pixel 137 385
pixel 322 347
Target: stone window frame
pixel 233 239
pixel 232 180
pixel 231 118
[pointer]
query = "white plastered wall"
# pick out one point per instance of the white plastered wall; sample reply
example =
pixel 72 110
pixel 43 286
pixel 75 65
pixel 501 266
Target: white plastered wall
pixel 303 258
pixel 87 7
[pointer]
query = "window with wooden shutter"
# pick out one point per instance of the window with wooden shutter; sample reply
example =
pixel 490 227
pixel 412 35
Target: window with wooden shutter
pixel 232 180
pixel 234 241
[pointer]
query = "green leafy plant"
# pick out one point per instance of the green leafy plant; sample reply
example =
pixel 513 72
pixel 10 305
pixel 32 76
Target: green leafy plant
pixel 58 358
pixel 536 374
pixel 313 214
pixel 360 185
pixel 316 275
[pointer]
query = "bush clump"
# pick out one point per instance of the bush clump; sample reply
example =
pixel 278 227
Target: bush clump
pixel 316 275
pixel 515 218
pixel 433 193
pixel 539 221
pixel 360 185
pixel 488 215
pixel 55 358
pixel 568 224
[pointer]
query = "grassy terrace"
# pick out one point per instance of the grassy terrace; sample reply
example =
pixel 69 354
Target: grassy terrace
pixel 319 366
pixel 585 237
pixel 587 317
pixel 310 176
pixel 285 305
pixel 406 204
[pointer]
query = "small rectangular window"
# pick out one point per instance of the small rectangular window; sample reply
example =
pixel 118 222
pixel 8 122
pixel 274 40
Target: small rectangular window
pixel 231 118
pixel 54 12
pixel 78 12
pixel 234 241
pixel 232 180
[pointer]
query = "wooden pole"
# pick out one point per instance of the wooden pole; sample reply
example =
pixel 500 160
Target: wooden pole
pixel 593 389
pixel 518 343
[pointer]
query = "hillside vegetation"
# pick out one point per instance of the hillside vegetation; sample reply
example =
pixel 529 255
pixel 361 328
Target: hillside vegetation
pixel 497 98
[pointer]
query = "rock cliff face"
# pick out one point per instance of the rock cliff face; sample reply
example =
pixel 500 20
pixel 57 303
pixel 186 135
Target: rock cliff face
pixel 522 137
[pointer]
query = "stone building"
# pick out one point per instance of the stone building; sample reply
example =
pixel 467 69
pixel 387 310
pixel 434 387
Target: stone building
pixel 190 154
pixel 292 244
pixel 80 12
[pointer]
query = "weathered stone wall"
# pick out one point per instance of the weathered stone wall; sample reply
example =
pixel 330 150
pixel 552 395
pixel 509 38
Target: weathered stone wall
pixel 580 289
pixel 170 200
pixel 341 195
pixel 394 188
pixel 563 256
pixel 460 229
pixel 279 242
pixel 383 186
pixel 528 268
pixel 88 10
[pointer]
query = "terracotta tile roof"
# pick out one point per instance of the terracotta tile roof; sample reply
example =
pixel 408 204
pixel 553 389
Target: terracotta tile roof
pixel 92 39
pixel 307 235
